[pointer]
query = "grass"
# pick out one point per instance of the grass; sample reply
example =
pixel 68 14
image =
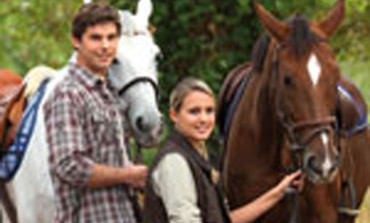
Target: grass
pixel 364 216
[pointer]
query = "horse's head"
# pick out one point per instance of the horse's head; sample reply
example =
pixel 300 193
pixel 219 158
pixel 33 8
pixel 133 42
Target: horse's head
pixel 302 76
pixel 135 73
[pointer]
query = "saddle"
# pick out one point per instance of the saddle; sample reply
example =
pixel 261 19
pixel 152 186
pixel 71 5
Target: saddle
pixel 10 119
pixel 9 122
pixel 229 93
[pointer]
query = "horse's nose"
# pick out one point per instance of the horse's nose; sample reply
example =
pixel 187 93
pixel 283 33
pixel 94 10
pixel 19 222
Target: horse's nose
pixel 146 125
pixel 140 123
pixel 313 165
pixel 322 168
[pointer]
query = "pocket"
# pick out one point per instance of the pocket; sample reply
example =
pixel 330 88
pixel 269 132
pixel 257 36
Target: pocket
pixel 102 126
pixel 105 123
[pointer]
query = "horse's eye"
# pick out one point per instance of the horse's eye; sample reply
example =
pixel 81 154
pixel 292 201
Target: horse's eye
pixel 287 80
pixel 115 61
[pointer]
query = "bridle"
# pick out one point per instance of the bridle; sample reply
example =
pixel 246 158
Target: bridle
pixel 292 130
pixel 313 127
pixel 138 80
pixel 138 159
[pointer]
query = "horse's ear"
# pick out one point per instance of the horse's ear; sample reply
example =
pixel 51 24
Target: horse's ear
pixel 143 11
pixel 331 23
pixel 275 27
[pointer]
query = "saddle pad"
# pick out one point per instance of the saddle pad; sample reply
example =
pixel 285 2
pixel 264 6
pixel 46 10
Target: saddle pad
pixel 13 156
pixel 353 116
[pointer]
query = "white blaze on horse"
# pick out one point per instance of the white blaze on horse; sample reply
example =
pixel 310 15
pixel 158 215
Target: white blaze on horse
pixel 134 72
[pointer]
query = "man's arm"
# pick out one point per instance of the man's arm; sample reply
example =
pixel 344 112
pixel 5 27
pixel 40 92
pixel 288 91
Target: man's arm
pixel 101 176
pixel 69 158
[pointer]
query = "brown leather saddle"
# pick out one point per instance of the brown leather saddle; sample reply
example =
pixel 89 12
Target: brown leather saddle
pixel 11 118
pixel 230 86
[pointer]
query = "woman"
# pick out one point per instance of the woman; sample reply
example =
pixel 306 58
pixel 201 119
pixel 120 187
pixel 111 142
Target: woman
pixel 182 183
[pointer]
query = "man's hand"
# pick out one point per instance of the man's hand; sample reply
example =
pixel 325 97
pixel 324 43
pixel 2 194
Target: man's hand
pixel 136 175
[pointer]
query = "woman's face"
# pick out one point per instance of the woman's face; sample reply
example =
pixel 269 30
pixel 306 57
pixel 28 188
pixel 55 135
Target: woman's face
pixel 196 117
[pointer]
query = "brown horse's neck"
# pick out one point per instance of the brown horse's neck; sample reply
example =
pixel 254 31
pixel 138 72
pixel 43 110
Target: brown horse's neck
pixel 266 112
pixel 254 145
pixel 260 122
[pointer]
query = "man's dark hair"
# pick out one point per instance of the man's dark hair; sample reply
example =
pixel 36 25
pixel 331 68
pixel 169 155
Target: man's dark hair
pixel 92 14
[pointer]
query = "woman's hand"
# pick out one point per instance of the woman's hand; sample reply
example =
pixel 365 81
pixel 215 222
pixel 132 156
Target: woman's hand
pixel 251 211
pixel 294 179
pixel 136 175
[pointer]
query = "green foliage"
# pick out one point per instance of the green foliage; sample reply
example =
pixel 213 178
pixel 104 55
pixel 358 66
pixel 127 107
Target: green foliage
pixel 201 38
pixel 35 32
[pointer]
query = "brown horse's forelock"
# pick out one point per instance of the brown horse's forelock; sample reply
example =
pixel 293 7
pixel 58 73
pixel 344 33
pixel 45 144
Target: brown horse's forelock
pixel 300 40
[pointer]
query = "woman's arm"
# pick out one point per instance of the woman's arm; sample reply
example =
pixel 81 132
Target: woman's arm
pixel 256 208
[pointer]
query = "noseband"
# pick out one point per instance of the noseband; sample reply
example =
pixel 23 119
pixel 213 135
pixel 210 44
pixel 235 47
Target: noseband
pixel 137 80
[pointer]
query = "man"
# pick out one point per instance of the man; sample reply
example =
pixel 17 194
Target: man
pixel 89 168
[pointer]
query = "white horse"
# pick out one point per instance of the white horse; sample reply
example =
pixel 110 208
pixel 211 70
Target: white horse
pixel 135 73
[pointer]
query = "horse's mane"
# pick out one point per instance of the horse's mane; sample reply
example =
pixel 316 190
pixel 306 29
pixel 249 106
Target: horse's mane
pixel 300 40
pixel 259 52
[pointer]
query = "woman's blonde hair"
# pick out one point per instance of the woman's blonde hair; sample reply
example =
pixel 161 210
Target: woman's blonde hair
pixel 184 87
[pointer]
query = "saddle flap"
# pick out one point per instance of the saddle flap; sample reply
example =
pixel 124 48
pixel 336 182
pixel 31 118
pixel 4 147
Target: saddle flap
pixel 11 118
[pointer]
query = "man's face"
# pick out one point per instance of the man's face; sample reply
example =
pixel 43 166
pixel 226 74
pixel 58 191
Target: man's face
pixel 97 47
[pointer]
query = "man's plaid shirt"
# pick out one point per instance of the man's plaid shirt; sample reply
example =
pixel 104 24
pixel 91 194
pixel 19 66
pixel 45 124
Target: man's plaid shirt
pixel 84 122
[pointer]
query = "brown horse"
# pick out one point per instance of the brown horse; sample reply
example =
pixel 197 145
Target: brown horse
pixel 287 118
